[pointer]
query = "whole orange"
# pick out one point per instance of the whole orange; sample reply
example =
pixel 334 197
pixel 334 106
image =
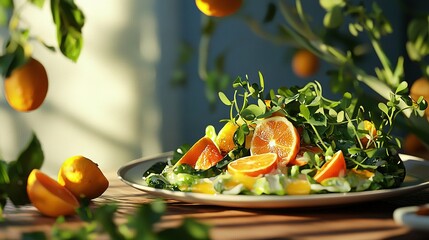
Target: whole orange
pixel 82 177
pixel 218 8
pixel 305 63
pixel 420 87
pixel 26 88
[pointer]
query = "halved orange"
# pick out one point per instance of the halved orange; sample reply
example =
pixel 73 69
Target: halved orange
pixel 276 135
pixel 192 155
pixel 49 197
pixel 254 165
pixel 336 167
pixel 209 157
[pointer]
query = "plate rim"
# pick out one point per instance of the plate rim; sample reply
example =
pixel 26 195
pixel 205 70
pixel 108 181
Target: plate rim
pixel 266 201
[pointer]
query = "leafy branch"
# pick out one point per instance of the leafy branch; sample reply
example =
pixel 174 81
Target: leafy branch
pixel 67 17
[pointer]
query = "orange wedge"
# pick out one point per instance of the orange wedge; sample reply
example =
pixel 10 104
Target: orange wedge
pixel 254 166
pixel 193 154
pixel 276 135
pixel 336 167
pixel 49 197
pixel 209 157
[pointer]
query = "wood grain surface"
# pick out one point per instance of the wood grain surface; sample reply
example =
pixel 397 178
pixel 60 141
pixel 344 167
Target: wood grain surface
pixel 369 220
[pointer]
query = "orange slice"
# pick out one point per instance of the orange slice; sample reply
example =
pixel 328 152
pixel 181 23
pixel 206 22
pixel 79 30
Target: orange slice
pixel 254 166
pixel 49 197
pixel 209 157
pixel 336 167
pixel 276 135
pixel 193 154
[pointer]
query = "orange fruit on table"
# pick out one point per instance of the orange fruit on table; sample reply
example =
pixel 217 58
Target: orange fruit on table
pixel 335 167
pixel 49 197
pixel 218 8
pixel 225 137
pixel 305 63
pixel 82 177
pixel 276 135
pixel 420 87
pixel 193 154
pixel 254 165
pixel 26 87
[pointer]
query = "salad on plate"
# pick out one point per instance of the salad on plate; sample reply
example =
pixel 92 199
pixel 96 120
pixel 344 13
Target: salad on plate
pixel 291 141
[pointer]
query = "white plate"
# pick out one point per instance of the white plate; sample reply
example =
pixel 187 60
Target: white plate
pixel 416 179
pixel 407 216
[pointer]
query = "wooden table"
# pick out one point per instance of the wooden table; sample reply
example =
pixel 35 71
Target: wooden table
pixel 370 220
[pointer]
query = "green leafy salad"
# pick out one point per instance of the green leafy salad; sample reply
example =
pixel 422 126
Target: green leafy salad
pixel 292 141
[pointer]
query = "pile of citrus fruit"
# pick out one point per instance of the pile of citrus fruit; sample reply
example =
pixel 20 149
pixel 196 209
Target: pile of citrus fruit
pixel 78 178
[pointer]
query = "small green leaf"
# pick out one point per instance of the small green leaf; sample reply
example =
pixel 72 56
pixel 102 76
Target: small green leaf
pixel 353 30
pixel 318 119
pixel 261 82
pixel 412 51
pixel 304 112
pixel 329 4
pixel 332 113
pixel 333 18
pixel 224 99
pixel 402 88
pixel 251 112
pixel 69 21
pixel 262 106
pixel 346 101
pixel 383 107
pixel 11 60
pixel 241 133
pixel 340 116
pixel 32 157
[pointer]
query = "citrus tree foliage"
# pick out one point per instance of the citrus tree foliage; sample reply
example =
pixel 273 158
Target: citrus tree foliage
pixel 67 18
